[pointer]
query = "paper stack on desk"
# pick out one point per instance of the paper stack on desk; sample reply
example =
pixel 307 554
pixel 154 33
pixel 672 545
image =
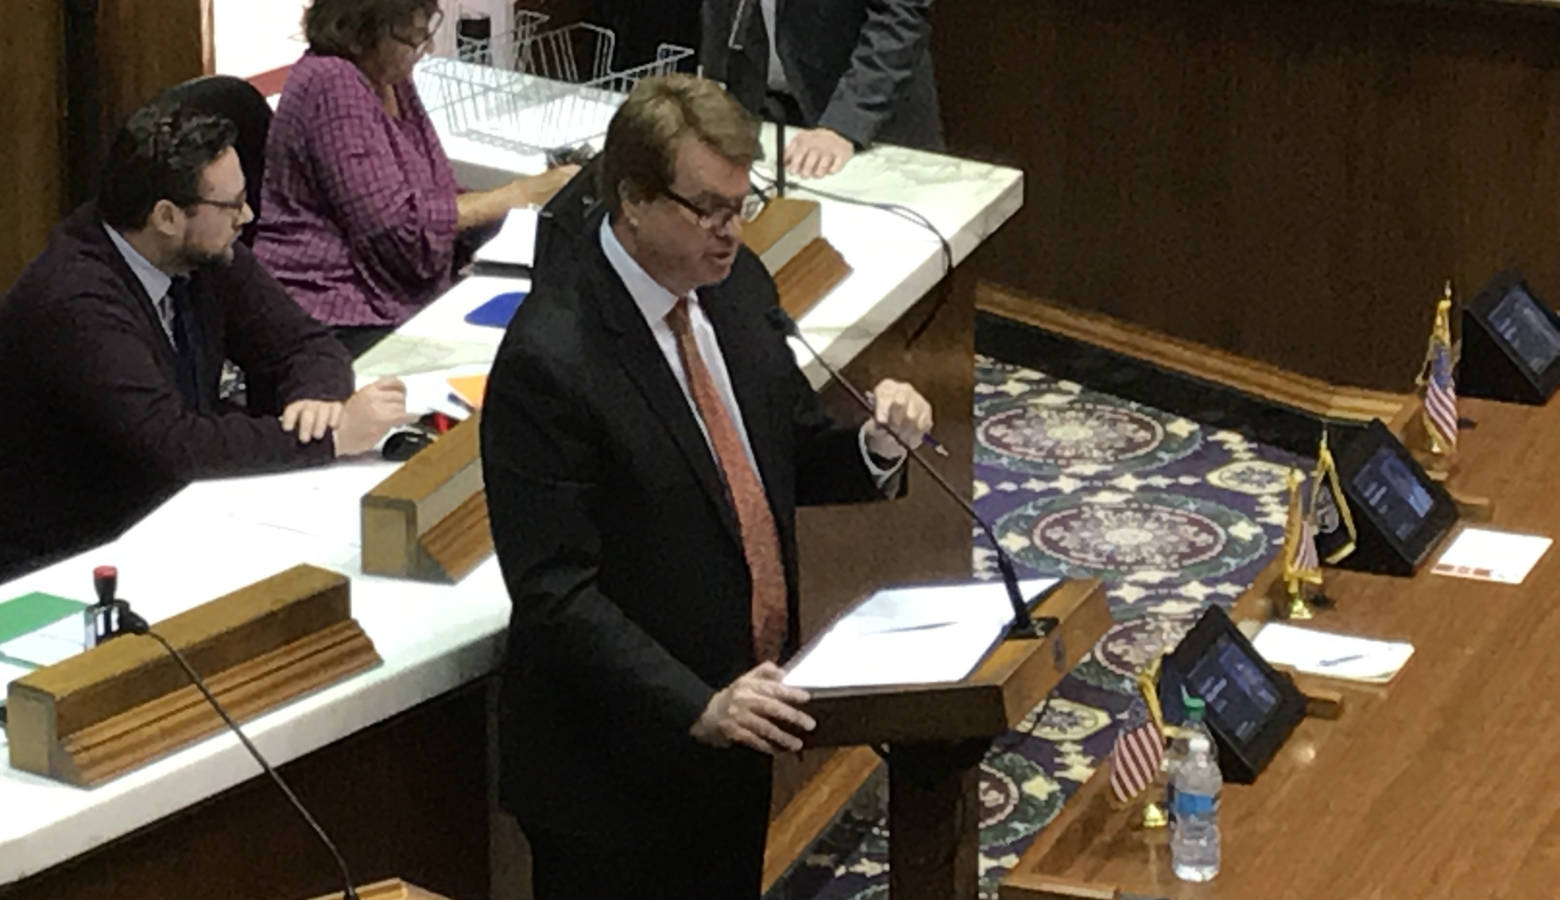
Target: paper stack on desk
pixel 1332 655
pixel 515 243
pixel 915 635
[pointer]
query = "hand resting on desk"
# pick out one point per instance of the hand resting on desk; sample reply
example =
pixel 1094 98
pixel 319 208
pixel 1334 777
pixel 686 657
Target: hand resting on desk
pixel 816 152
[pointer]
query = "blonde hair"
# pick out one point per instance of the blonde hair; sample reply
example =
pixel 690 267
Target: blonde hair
pixel 639 156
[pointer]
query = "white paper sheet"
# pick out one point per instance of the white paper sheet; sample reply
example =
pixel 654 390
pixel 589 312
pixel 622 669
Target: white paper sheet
pixel 915 635
pixel 515 243
pixel 1485 554
pixel 430 391
pixel 1333 655
pixel 401 354
pixel 45 648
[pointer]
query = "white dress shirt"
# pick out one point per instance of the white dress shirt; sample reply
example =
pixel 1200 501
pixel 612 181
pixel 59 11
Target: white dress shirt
pixel 655 302
pixel 154 280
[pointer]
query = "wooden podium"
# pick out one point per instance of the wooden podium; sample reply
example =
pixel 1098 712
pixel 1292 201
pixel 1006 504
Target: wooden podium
pixel 391 889
pixel 937 735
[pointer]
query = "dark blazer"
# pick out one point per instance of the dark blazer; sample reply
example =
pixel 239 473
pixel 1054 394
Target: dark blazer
pixel 620 548
pixel 96 431
pixel 860 67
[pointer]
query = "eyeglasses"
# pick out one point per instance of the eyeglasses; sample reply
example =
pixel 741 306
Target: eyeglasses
pixel 719 217
pixel 423 43
pixel 236 207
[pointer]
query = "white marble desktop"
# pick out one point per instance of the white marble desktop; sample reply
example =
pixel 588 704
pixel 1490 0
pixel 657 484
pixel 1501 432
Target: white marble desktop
pixel 218 536
pixel 894 261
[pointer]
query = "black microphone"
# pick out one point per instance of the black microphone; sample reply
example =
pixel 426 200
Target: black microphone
pixel 780 161
pixel 131 623
pixel 1023 626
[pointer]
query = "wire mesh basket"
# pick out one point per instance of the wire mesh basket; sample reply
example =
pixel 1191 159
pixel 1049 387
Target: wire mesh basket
pixel 554 89
pixel 506 49
pixel 453 86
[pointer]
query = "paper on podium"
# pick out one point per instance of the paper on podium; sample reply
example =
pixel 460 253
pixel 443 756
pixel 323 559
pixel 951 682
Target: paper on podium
pixel 928 634
pixel 515 243
pixel 1332 655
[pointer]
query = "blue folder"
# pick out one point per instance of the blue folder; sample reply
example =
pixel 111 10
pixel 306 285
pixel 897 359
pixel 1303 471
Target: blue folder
pixel 498 311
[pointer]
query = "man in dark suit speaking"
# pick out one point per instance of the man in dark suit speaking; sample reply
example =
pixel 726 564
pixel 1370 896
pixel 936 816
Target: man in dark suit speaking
pixel 113 339
pixel 646 439
pixel 850 72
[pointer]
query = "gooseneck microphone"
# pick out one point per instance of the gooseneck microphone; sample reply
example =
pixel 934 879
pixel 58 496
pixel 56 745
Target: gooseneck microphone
pixel 780 158
pixel 1023 626
pixel 131 623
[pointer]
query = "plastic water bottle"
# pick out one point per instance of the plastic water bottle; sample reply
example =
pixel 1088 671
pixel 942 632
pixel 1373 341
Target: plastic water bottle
pixel 1194 835
pixel 1178 751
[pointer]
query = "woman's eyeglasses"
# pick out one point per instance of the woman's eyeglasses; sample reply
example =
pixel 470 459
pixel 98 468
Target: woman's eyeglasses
pixel 421 43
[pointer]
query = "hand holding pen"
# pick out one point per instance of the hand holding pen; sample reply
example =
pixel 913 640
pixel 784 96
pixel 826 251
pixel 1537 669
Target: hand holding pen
pixel 898 406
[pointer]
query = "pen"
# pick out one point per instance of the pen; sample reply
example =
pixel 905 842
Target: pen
pixel 1342 659
pixel 903 628
pixel 927 439
pixel 460 401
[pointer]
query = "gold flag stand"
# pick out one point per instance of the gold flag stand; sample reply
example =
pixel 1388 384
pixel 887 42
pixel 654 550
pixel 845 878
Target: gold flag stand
pixel 1434 455
pixel 1294 604
pixel 1154 813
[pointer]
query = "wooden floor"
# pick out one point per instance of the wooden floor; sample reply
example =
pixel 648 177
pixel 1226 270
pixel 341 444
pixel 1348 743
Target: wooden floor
pixel 1442 785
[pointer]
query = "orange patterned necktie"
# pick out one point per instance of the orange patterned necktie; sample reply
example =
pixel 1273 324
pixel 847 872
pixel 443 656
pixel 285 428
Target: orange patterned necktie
pixel 760 545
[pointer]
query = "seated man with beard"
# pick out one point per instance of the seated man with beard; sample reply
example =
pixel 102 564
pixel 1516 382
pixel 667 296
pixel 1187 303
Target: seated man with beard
pixel 112 341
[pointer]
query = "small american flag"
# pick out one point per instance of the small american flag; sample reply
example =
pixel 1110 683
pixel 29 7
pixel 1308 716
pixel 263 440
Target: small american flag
pixel 1441 396
pixel 1305 552
pixel 1135 759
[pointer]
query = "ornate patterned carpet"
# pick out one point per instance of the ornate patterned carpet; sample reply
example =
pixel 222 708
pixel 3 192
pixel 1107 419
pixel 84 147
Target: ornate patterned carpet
pixel 1174 516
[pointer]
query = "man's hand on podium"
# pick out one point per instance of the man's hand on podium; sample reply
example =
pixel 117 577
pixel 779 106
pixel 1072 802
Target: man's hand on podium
pixel 757 710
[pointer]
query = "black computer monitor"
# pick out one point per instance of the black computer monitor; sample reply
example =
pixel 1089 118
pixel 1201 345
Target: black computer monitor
pixel 1250 707
pixel 1400 513
pixel 1511 343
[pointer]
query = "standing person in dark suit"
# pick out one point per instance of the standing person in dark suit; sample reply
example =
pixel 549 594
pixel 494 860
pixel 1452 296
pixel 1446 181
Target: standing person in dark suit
pixel 112 341
pixel 849 72
pixel 646 439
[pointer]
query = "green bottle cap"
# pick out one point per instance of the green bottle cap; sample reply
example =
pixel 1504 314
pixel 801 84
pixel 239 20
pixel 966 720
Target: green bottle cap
pixel 1194 706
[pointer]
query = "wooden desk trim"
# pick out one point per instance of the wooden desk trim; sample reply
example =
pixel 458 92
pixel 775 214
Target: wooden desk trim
pixel 1248 376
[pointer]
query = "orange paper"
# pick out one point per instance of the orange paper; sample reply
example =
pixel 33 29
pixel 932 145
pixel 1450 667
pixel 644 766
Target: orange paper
pixel 470 388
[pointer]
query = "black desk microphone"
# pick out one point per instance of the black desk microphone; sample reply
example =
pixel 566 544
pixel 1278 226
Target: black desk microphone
pixel 1023 626
pixel 125 621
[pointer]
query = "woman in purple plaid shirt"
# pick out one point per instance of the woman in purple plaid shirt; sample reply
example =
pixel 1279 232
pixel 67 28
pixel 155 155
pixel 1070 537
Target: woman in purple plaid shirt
pixel 361 209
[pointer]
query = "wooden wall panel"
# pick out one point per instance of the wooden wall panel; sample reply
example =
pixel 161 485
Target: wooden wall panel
pixel 31 107
pixel 145 46
pixel 1288 181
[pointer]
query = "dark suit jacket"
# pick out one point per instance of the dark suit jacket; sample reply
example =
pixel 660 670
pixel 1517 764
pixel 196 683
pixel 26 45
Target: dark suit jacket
pixel 860 67
pixel 620 549
pixel 95 430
